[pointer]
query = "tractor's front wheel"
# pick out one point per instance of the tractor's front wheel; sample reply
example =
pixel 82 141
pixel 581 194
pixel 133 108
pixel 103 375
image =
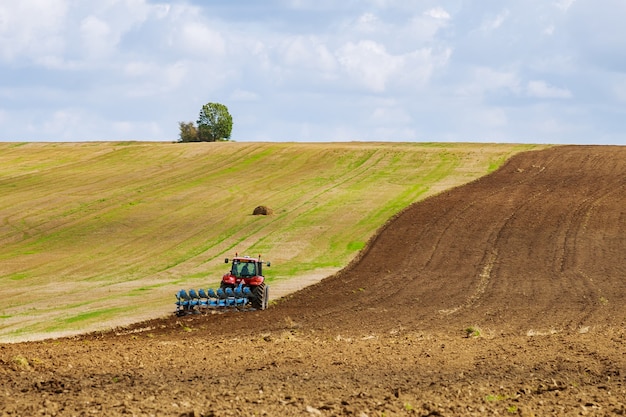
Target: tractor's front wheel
pixel 260 296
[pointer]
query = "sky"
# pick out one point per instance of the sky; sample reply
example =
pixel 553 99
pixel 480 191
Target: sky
pixel 508 71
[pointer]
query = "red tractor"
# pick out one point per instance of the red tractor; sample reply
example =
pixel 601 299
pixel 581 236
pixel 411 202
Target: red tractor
pixel 246 274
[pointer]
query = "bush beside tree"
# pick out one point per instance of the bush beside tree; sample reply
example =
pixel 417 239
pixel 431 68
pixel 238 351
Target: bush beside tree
pixel 188 132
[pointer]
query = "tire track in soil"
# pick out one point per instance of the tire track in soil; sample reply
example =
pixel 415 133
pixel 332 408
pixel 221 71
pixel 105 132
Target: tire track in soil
pixel 490 243
pixel 569 244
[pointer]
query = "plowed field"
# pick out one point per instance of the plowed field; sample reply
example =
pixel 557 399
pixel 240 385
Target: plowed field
pixel 506 296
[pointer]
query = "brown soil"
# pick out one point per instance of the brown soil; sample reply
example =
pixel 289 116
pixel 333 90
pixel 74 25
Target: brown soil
pixel 503 297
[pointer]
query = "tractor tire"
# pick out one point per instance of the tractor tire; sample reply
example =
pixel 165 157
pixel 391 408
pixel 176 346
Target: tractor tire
pixel 261 296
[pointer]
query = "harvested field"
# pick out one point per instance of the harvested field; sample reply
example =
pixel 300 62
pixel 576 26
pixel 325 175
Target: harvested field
pixel 506 296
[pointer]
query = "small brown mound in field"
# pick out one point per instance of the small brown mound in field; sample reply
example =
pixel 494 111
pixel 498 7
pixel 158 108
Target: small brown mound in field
pixel 262 211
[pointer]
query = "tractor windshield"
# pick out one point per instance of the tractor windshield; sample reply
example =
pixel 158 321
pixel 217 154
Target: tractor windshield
pixel 243 269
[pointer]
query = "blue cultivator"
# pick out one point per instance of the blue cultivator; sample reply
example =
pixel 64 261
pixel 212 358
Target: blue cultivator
pixel 193 302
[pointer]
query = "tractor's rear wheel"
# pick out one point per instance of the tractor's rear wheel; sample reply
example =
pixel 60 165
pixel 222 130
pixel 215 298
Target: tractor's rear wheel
pixel 260 296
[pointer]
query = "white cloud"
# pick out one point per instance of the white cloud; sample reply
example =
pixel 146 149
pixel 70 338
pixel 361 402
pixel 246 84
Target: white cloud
pixel 495 22
pixel 422 29
pixel 369 63
pixel 31 28
pixel 310 53
pixel 96 37
pixel 414 29
pixel 368 22
pixel 438 13
pixel 419 67
pixel 161 11
pixel 565 4
pixel 540 89
pixel 199 39
pixel 365 25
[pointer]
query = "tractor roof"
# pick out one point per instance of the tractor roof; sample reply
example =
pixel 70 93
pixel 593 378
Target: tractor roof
pixel 246 259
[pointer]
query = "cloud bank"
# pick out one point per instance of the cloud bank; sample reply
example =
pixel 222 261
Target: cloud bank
pixel 301 70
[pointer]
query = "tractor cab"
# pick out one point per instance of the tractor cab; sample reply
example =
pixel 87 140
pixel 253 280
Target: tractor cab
pixel 244 269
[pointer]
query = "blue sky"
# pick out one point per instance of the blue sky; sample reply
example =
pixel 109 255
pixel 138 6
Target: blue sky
pixel 535 71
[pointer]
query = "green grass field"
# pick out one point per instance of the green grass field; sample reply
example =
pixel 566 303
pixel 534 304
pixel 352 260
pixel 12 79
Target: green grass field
pixel 95 235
